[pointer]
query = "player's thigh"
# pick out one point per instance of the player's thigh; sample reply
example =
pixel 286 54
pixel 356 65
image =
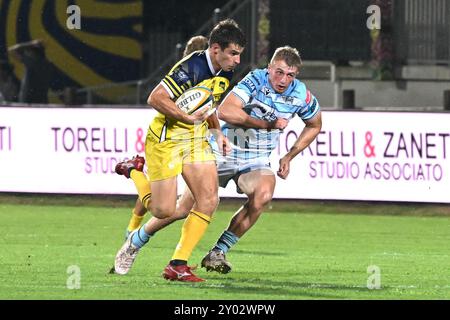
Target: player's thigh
pixel 256 182
pixel 201 178
pixel 164 159
pixel 164 196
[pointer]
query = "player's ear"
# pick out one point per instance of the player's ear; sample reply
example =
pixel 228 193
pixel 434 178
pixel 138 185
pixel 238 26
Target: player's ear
pixel 215 47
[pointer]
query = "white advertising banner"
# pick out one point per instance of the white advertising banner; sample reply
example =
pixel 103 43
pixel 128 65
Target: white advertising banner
pixel 64 150
pixel 382 156
pixel 371 156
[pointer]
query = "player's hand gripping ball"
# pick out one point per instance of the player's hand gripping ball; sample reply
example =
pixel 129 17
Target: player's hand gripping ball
pixel 196 99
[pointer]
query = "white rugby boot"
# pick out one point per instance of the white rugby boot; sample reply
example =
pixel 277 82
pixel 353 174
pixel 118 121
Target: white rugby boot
pixel 125 256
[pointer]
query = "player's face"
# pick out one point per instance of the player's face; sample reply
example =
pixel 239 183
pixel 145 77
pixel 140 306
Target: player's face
pixel 228 58
pixel 281 75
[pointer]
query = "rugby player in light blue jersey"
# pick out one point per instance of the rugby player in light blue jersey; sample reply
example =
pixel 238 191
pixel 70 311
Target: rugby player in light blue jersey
pixel 263 97
pixel 255 112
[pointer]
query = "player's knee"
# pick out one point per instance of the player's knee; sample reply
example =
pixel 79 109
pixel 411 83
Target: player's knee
pixel 162 212
pixel 261 199
pixel 208 204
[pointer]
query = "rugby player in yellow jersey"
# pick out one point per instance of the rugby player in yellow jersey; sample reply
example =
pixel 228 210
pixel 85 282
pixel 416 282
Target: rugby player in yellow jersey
pixel 196 43
pixel 177 143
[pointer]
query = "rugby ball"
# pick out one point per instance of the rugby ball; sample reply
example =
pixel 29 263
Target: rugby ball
pixel 196 99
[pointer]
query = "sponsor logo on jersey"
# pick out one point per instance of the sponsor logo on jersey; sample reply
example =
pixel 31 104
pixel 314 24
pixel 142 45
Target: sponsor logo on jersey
pixel 249 84
pixel 180 76
pixel 288 99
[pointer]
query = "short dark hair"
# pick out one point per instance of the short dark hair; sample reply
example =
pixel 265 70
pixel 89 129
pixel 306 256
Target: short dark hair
pixel 226 32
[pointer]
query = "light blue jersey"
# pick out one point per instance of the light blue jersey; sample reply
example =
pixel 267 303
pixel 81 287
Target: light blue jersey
pixel 251 147
pixel 262 102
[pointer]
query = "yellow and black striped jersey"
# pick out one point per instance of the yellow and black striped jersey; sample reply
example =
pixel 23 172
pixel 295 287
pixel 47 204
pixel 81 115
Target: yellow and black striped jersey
pixel 193 70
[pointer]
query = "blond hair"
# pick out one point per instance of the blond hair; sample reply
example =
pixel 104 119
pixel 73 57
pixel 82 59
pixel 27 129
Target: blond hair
pixel 194 44
pixel 289 55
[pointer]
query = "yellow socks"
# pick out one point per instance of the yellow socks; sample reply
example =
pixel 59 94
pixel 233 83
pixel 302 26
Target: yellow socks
pixel 142 186
pixel 135 222
pixel 193 229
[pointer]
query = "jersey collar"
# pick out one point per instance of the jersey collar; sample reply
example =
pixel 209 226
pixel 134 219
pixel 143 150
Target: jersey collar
pixel 210 65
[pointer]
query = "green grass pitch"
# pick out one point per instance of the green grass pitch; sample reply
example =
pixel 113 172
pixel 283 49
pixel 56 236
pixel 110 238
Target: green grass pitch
pixel 295 251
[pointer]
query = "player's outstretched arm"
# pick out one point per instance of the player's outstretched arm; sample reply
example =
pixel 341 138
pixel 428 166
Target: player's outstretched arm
pixel 309 133
pixel 160 100
pixel 231 111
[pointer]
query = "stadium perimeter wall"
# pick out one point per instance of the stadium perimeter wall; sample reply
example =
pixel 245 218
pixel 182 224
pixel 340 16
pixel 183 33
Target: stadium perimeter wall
pixel 385 95
pixel 376 156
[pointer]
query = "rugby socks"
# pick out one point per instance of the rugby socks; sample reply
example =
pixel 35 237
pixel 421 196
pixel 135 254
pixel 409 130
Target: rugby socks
pixel 226 241
pixel 142 187
pixel 140 238
pixel 135 222
pixel 193 229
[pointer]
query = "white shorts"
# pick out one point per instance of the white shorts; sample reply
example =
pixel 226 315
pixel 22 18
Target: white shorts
pixel 231 168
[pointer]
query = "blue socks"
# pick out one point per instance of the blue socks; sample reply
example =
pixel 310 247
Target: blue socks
pixel 226 241
pixel 140 238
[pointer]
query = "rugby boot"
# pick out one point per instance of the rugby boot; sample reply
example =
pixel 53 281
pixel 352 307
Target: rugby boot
pixel 124 168
pixel 180 273
pixel 125 256
pixel 215 260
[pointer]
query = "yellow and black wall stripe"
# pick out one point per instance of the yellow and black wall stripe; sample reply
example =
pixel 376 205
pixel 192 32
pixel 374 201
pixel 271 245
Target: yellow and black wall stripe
pixel 106 49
